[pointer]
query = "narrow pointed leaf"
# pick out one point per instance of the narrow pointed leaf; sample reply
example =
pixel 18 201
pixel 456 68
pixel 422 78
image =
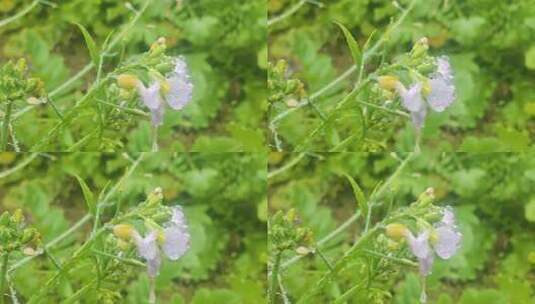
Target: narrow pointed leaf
pixel 88 195
pixel 359 195
pixel 91 45
pixel 352 43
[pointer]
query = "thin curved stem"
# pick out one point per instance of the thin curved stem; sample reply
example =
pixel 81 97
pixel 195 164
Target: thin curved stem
pixel 5 259
pixel 287 166
pixel 19 166
pixel 287 13
pixel 5 127
pixel 20 14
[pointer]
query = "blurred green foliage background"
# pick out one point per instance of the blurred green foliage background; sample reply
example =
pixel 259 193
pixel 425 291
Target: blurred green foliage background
pixel 491 46
pixel 223 196
pixel 224 43
pixel 492 196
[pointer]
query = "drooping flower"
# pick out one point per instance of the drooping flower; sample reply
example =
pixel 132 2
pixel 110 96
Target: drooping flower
pixel 177 90
pixel 439 93
pixel 444 240
pixel 174 241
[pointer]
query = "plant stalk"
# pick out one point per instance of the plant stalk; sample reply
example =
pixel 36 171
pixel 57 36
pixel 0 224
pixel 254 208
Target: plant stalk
pixel 274 277
pixel 5 128
pixel 5 259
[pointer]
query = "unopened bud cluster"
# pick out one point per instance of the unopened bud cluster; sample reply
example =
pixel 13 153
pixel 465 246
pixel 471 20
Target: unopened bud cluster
pixel 16 236
pixel 15 83
pixel 281 87
pixel 285 233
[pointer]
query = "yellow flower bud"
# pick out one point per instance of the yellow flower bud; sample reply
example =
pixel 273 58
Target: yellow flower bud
pixel 388 82
pixel 165 87
pixel 396 231
pixel 123 231
pixel 426 88
pixel 127 81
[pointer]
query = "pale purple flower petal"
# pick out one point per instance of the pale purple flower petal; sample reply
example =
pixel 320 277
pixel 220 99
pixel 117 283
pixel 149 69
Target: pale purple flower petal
pixel 153 266
pixel 444 68
pixel 442 93
pixel 147 246
pixel 180 92
pixel 176 242
pixel 419 245
pixel 150 96
pixel 426 264
pixel 448 217
pixel 411 98
pixel 177 237
pixel 156 115
pixel 418 117
pixel 448 241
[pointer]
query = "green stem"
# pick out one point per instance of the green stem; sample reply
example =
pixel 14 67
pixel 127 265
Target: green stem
pixel 5 129
pixel 154 130
pixel 5 259
pixel 274 277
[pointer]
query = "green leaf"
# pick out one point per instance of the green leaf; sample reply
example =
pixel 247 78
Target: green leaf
pixel 91 45
pixel 88 195
pixel 529 211
pixel 352 43
pixel 359 195
pixel 530 58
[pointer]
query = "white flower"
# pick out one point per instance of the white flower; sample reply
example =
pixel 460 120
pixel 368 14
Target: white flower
pixel 152 99
pixel 447 242
pixel 176 241
pixel 180 86
pixel 176 235
pixel 441 93
pixel 178 92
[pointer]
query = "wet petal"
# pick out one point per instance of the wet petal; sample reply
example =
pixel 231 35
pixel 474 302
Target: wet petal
pixel 448 217
pixel 442 94
pixel 180 92
pixel 411 98
pixel 150 96
pixel 176 242
pixel 147 246
pixel 177 217
pixel 156 115
pixel 444 68
pixel 448 241
pixel 426 264
pixel 181 68
pixel 153 266
pixel 418 118
pixel 419 245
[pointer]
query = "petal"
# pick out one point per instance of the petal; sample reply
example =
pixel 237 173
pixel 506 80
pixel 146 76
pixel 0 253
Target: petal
pixel 151 95
pixel 156 115
pixel 176 242
pixel 147 246
pixel 177 217
pixel 444 68
pixel 419 245
pixel 181 68
pixel 418 118
pixel 411 98
pixel 448 217
pixel 442 94
pixel 448 241
pixel 180 92
pixel 425 264
pixel 153 266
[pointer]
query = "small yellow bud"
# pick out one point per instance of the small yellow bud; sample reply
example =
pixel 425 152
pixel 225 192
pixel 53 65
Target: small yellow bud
pixel 396 231
pixel 127 81
pixel 302 250
pixel 388 82
pixel 165 87
pixel 123 231
pixel 426 88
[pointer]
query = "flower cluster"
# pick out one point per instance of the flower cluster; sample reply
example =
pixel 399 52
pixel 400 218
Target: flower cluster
pixel 173 239
pixel 434 91
pixel 285 233
pixel 16 236
pixel 15 83
pixel 169 82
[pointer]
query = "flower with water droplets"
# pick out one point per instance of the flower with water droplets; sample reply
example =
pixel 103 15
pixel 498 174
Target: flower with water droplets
pixel 442 90
pixel 174 240
pixel 444 240
pixel 177 90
